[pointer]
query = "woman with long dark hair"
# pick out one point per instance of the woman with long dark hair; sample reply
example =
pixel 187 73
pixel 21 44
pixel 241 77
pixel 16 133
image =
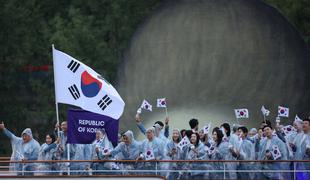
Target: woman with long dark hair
pixel 48 152
pixel 220 152
pixel 195 151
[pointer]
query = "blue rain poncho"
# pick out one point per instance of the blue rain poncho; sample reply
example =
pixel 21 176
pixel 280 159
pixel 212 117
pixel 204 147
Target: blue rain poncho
pixel 127 152
pixel 156 146
pixel 195 153
pixel 266 145
pixel 47 152
pixel 23 151
pixel 302 152
pixel 246 152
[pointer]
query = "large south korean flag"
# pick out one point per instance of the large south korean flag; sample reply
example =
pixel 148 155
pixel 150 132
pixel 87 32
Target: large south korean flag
pixel 79 85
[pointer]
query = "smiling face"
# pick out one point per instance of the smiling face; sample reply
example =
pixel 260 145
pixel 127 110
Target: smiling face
pixel 201 134
pixel 26 138
pixel 63 126
pixel 149 135
pixel 306 126
pixel 242 134
pixel 98 135
pixel 126 140
pixel 268 132
pixel 193 138
pixel 175 135
pixel 214 136
pixel 48 139
pixel 252 133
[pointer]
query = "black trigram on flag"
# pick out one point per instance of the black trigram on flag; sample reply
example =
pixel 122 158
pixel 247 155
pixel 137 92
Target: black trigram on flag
pixel 74 92
pixel 73 66
pixel 104 102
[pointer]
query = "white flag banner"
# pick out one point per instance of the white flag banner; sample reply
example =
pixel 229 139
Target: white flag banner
pixel 79 85
pixel 242 113
pixel 161 102
pixel 184 142
pixel 265 111
pixel 146 105
pixel 297 119
pixel 276 154
pixel 289 130
pixel 206 128
pixel 283 111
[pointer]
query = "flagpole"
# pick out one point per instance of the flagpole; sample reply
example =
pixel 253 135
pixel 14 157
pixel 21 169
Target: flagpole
pixel 56 103
pixel 237 121
pixel 68 157
pixel 57 118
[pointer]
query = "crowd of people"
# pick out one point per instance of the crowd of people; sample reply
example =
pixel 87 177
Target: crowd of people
pixel 225 142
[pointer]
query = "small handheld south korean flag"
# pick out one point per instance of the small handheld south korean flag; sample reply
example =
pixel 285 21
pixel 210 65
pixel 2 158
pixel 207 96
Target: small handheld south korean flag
pixel 105 151
pixel 283 111
pixel 206 129
pixel 210 150
pixel 161 102
pixel 225 138
pixel 297 119
pixel 276 154
pixel 184 142
pixel 289 130
pixel 146 105
pixel 265 111
pixel 149 155
pixel 242 113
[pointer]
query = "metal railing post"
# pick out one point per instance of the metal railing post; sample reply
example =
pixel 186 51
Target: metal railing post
pixel 156 167
pixel 294 170
pixel 224 170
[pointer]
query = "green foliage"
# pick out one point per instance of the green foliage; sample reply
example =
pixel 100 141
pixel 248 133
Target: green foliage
pixel 95 32
pixel 297 12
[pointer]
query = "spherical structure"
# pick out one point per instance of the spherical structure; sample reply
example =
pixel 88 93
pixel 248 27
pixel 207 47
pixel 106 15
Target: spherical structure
pixel 209 57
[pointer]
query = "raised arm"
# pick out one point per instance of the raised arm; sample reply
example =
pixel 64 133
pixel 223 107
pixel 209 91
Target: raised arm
pixel 139 123
pixel 167 127
pixel 8 133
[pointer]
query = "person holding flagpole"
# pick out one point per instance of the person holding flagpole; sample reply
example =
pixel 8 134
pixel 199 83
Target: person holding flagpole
pixel 62 147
